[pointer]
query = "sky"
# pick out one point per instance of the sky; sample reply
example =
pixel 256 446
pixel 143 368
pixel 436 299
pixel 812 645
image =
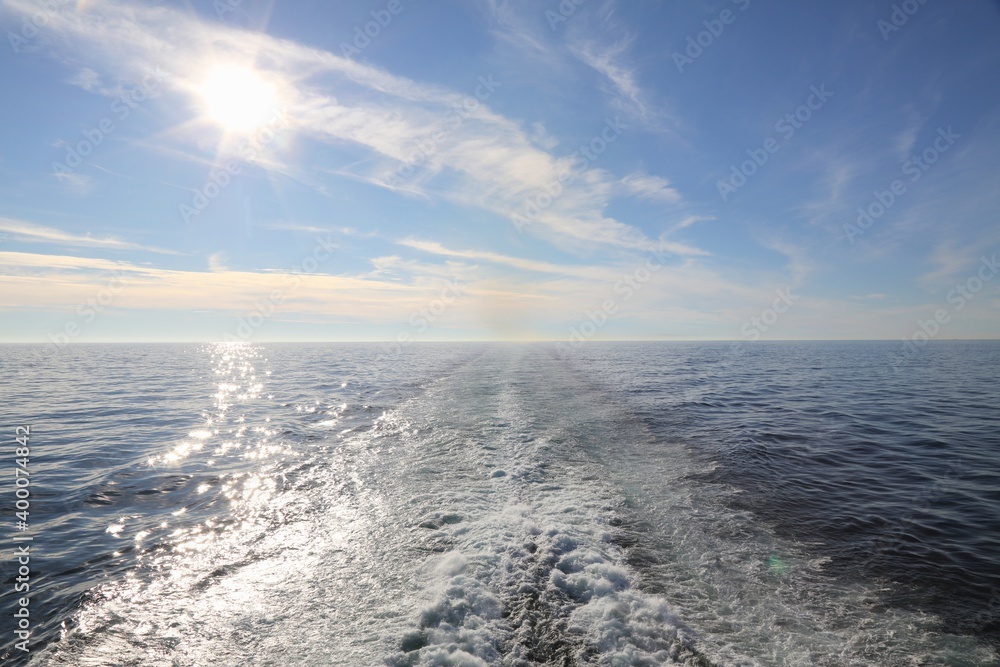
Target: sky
pixel 408 170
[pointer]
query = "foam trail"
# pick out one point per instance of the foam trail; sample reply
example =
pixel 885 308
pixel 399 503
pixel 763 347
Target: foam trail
pixel 533 574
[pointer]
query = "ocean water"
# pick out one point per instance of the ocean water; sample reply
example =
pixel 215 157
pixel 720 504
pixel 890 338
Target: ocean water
pixel 498 504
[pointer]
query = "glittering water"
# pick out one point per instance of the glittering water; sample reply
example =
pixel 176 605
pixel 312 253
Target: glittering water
pixel 631 504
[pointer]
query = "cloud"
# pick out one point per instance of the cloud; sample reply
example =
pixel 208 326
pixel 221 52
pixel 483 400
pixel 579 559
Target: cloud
pixel 87 79
pixel 400 269
pixel 606 60
pixel 681 249
pixel 541 137
pixel 907 137
pixel 38 262
pixel 432 247
pixel 61 281
pixel 651 187
pixel 599 41
pixel 521 35
pixel 800 264
pixel 309 228
pixel 32 233
pixel 217 262
pixel 78 183
pixel 452 145
pixel 690 220
pixel 950 260
pixel 688 299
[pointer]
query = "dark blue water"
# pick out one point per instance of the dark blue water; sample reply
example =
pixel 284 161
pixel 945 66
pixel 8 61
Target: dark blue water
pixel 890 471
pixel 632 504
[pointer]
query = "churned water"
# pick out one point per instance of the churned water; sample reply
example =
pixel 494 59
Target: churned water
pixel 479 504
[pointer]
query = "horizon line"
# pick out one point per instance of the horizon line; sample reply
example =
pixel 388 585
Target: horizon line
pixel 492 340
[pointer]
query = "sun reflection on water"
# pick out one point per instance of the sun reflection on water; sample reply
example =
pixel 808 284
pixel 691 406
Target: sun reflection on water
pixel 235 494
pixel 229 425
pixel 228 498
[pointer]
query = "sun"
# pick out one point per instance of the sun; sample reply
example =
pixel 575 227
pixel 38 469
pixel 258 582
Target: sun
pixel 237 98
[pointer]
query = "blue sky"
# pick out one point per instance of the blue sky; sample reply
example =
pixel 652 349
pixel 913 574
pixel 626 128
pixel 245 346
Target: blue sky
pixel 415 170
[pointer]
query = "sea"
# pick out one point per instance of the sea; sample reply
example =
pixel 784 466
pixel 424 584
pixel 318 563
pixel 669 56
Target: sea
pixel 472 504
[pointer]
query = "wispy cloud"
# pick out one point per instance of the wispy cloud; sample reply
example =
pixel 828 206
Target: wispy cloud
pixel 217 261
pixel 651 187
pixel 541 137
pixel 40 262
pixel 435 248
pixel 948 260
pixel 312 228
pixel 75 181
pixel 690 220
pixel 604 45
pixel 481 159
pixel 681 249
pixel 907 137
pixel 32 233
pixel 800 264
pixel 87 79
pixel 511 27
pixel 607 61
pixel 61 281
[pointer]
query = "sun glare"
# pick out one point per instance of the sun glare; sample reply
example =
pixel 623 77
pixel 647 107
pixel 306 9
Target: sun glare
pixel 237 98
